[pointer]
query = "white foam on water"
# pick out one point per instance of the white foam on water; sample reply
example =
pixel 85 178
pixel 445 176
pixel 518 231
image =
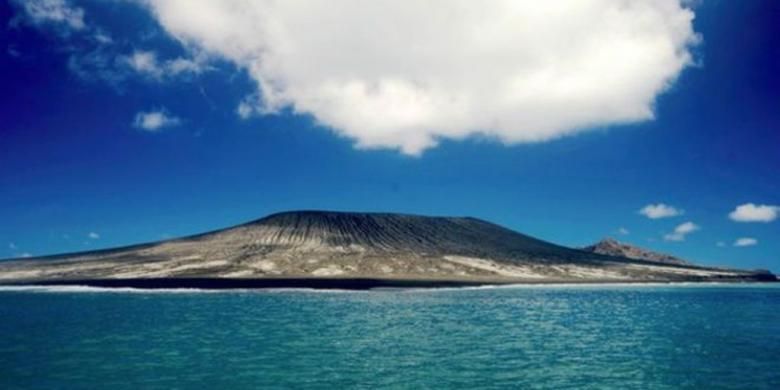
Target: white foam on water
pixel 594 286
pixel 278 290
pixel 307 290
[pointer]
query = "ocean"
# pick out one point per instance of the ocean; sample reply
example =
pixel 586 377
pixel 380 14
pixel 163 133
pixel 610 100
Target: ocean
pixel 547 337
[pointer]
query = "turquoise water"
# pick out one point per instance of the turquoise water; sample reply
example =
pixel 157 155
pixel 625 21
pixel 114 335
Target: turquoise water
pixel 526 337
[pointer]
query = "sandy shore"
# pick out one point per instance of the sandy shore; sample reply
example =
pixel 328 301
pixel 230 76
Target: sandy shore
pixel 334 283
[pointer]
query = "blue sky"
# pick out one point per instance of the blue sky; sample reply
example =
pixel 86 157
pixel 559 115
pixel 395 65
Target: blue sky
pixel 121 123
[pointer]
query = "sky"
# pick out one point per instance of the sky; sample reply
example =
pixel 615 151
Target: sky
pixel 656 123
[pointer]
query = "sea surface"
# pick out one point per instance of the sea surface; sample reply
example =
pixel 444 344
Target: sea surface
pixel 600 337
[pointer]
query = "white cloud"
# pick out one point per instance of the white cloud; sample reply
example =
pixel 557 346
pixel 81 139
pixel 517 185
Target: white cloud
pixel 153 121
pixel 248 107
pixel 24 254
pixel 98 63
pixel 11 245
pixel 681 231
pixel 93 235
pixel 660 210
pixel 102 37
pixel 745 241
pixel 720 244
pixel 750 212
pixel 404 74
pixel 244 110
pixel 183 65
pixel 623 231
pixel 146 63
pixel 91 50
pixel 57 12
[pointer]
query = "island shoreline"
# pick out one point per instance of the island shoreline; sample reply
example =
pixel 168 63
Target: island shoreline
pixel 341 283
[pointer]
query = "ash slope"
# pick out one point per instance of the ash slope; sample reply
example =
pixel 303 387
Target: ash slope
pixel 327 245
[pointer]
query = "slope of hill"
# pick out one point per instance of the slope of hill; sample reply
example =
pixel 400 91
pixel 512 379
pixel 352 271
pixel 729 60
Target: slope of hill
pixel 612 247
pixel 287 248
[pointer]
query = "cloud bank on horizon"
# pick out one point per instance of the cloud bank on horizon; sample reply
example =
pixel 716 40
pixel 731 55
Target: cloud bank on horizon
pixel 405 75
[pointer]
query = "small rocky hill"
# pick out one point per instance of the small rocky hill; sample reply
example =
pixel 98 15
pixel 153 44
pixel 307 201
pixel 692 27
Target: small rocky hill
pixel 612 247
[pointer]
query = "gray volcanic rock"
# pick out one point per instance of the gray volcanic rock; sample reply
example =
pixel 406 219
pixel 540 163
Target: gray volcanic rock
pixel 611 247
pixel 323 244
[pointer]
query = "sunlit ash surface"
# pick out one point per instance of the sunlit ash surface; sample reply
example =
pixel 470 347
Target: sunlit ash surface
pixel 540 337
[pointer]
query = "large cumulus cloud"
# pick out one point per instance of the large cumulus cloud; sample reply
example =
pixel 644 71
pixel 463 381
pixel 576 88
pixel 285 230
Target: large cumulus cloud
pixel 404 74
